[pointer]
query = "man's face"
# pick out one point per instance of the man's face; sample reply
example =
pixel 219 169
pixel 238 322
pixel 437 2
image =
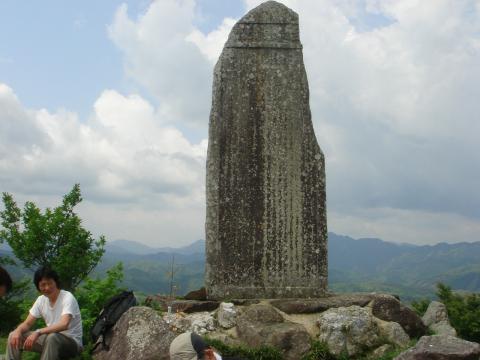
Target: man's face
pixel 47 286
pixel 3 290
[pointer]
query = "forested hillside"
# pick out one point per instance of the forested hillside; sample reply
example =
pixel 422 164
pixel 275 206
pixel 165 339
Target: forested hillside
pixel 354 265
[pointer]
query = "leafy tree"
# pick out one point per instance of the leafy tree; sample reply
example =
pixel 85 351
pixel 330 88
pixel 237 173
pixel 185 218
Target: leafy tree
pixel 92 294
pixel 463 311
pixel 55 237
pixel 12 307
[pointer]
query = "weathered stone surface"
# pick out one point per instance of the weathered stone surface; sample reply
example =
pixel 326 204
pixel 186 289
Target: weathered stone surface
pixel 227 315
pixel 263 325
pixel 245 302
pixel 443 328
pixel 266 229
pixel 436 318
pixel 187 306
pixel 261 313
pixel 388 308
pixel 393 332
pixel 380 351
pixel 350 329
pixel 435 313
pixel 199 322
pixel 200 294
pixel 191 306
pixel 442 347
pixel 311 306
pixel 139 334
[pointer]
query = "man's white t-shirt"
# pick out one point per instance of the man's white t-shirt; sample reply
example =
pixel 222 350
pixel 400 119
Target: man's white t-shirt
pixel 65 304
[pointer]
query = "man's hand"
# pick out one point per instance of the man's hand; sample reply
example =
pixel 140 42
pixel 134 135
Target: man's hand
pixel 31 339
pixel 16 339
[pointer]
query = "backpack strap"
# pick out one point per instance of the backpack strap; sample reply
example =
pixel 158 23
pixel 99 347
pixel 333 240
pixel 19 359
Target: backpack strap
pixel 104 344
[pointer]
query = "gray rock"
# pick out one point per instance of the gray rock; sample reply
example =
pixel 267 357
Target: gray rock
pixel 381 351
pixel 139 334
pixel 311 306
pixel 388 308
pixel 393 332
pixel 435 313
pixel 226 315
pixel 200 294
pixel 191 306
pixel 436 318
pixel 262 325
pixel 441 347
pixel 187 306
pixel 200 323
pixel 245 302
pixel 351 329
pixel 266 227
pixel 443 328
pixel 261 313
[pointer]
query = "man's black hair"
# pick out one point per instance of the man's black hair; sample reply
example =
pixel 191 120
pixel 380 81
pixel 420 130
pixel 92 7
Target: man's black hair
pixel 5 279
pixel 198 344
pixel 45 272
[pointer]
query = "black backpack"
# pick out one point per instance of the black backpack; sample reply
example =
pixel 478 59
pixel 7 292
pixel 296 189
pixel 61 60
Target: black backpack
pixel 111 312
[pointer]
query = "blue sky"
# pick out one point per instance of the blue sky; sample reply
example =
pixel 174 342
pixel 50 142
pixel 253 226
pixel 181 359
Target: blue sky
pixel 58 54
pixel 116 95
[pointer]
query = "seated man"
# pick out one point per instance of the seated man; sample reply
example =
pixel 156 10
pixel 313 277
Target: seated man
pixel 62 337
pixel 190 346
pixel 5 282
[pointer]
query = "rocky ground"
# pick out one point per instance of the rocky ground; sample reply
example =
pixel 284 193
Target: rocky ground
pixel 367 325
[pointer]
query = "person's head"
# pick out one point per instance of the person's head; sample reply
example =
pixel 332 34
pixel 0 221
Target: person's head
pixel 5 282
pixel 46 280
pixel 190 346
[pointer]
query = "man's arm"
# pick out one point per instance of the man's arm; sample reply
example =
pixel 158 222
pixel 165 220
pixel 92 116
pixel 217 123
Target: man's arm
pixel 54 328
pixel 57 327
pixel 16 337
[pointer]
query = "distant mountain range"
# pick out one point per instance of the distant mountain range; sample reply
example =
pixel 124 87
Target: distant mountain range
pixel 410 271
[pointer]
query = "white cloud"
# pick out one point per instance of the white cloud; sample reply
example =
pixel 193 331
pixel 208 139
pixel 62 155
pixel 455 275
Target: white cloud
pixel 211 44
pixel 159 56
pixel 394 96
pixel 395 109
pixel 123 158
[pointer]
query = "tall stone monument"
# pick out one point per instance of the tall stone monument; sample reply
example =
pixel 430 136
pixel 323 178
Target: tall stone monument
pixel 266 227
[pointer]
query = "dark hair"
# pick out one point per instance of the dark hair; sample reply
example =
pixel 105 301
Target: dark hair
pixel 45 272
pixel 5 279
pixel 198 345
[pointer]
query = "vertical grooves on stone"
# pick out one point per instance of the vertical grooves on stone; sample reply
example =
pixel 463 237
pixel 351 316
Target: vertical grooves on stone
pixel 265 213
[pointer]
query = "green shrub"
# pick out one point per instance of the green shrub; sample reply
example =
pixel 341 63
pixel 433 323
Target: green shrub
pixel 463 311
pixel 421 306
pixel 13 307
pixel 94 293
pixel 319 351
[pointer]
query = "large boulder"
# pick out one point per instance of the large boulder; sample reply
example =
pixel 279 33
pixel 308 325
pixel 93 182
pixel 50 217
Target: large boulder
pixel 262 325
pixel 348 329
pixel 200 294
pixel 311 306
pixel 442 347
pixel 388 308
pixel 200 323
pixel 436 318
pixel 139 334
pixel 226 315
pixel 187 306
pixel 393 332
pixel 191 306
